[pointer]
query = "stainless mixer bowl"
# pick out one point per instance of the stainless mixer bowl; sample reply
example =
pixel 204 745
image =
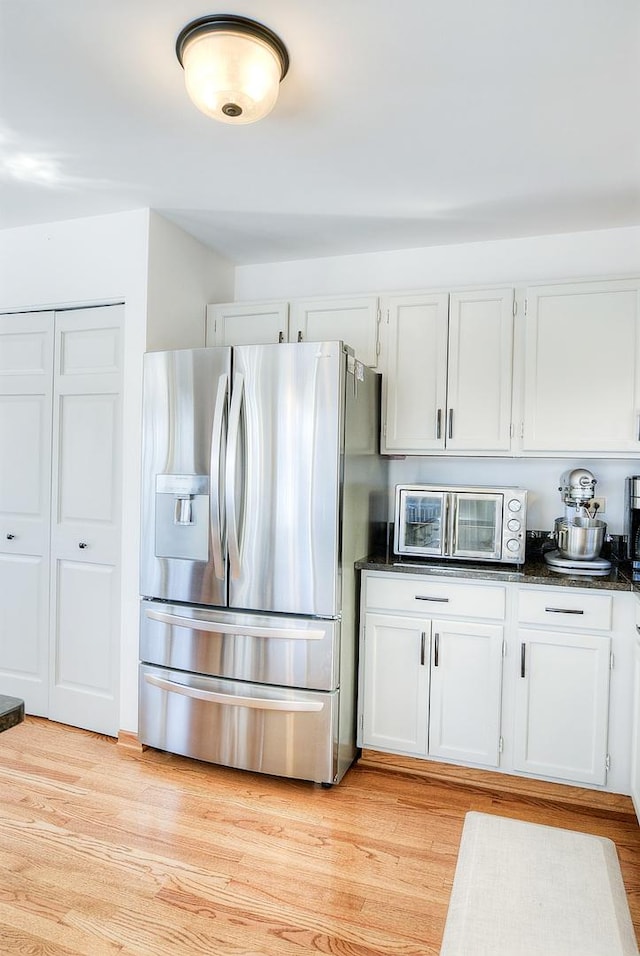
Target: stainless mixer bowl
pixel 580 539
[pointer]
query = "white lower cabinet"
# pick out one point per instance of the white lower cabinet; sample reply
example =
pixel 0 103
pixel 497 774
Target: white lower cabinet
pixel 396 685
pixel 562 705
pixel 562 687
pixel 635 724
pixel 534 680
pixel 431 686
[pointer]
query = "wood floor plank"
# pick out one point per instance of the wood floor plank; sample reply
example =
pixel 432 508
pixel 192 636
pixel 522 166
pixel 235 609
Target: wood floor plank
pixel 112 851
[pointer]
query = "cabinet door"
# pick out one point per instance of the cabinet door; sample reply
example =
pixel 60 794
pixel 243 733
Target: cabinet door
pixel 466 689
pixel 635 731
pixel 395 703
pixel 354 321
pixel 480 371
pixel 26 366
pixel 562 705
pixel 582 371
pixel 85 521
pixel 248 323
pixel 415 383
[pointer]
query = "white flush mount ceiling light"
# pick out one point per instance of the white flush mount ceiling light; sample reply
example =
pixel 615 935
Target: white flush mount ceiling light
pixel 232 67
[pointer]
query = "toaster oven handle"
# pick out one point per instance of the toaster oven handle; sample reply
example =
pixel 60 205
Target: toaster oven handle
pixel 453 537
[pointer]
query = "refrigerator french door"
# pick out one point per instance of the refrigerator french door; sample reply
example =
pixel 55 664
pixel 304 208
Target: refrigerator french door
pixel 249 454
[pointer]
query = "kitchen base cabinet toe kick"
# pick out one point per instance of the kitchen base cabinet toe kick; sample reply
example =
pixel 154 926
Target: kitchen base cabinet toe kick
pixel 528 680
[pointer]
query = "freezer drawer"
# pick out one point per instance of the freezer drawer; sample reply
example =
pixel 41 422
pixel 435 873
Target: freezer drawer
pixel 274 730
pixel 289 651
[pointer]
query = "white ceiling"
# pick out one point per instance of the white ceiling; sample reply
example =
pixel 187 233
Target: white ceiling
pixel 401 123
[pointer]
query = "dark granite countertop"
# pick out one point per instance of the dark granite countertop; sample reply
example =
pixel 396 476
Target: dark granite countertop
pixel 534 571
pixel 11 711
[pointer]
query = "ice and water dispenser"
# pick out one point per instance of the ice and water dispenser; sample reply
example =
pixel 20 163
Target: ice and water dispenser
pixel 182 517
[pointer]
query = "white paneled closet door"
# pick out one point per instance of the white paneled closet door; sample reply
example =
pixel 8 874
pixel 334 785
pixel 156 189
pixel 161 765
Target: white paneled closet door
pixel 85 518
pixel 26 368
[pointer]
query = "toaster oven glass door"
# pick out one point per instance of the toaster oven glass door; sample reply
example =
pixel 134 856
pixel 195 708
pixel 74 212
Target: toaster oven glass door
pixel 476 523
pixel 423 517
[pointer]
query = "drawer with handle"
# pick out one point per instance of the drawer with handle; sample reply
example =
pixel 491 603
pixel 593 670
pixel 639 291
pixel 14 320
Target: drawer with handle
pixel 429 595
pixel 561 608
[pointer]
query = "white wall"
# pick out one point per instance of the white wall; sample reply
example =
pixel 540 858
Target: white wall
pixel 183 277
pixel 87 262
pixel 165 279
pixel 607 252
pixel 610 252
pixel 540 476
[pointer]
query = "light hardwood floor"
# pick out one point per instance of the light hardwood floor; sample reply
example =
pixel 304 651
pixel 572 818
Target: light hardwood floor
pixel 105 850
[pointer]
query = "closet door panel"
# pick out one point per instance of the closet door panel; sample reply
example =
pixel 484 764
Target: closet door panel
pixel 26 375
pixel 85 529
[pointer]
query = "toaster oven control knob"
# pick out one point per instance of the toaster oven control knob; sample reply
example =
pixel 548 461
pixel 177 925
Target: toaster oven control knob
pixel 514 505
pixel 513 545
pixel 513 524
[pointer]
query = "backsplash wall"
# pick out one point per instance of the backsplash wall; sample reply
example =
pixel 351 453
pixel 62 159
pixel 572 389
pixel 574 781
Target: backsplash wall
pixel 540 476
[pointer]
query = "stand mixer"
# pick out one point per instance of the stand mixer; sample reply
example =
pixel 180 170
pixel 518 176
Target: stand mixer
pixel 579 534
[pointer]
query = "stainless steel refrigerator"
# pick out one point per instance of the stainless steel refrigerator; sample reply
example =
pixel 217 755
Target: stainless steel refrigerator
pixel 261 486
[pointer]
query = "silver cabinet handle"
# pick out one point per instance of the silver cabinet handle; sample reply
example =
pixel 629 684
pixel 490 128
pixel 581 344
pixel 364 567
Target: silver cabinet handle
pixel 450 423
pixel 423 638
pixel 83 544
pixel 215 485
pixel 563 610
pixel 436 650
pixel 523 659
pixel 425 597
pixel 439 423
pixel 255 703
pixel 250 630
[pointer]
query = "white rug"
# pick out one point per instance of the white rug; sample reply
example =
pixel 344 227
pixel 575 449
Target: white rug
pixel 521 889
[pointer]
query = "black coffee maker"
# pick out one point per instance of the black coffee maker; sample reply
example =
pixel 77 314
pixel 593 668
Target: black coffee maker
pixel 632 523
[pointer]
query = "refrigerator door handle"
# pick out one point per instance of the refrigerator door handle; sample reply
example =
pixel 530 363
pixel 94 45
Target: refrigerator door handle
pixel 255 703
pixel 249 630
pixel 215 496
pixel 233 538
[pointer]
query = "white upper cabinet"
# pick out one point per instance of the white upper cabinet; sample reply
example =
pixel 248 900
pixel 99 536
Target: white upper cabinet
pixel 448 365
pixel 480 367
pixel 355 321
pixel 582 368
pixel 414 385
pixel 249 323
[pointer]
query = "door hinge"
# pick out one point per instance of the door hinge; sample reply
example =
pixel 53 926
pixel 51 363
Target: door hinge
pixel 521 429
pixel 384 428
pixel 515 307
pixel 512 430
pixel 504 648
pixel 607 762
pixel 388 315
pixel 612 661
pixel 526 306
pixel 500 744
